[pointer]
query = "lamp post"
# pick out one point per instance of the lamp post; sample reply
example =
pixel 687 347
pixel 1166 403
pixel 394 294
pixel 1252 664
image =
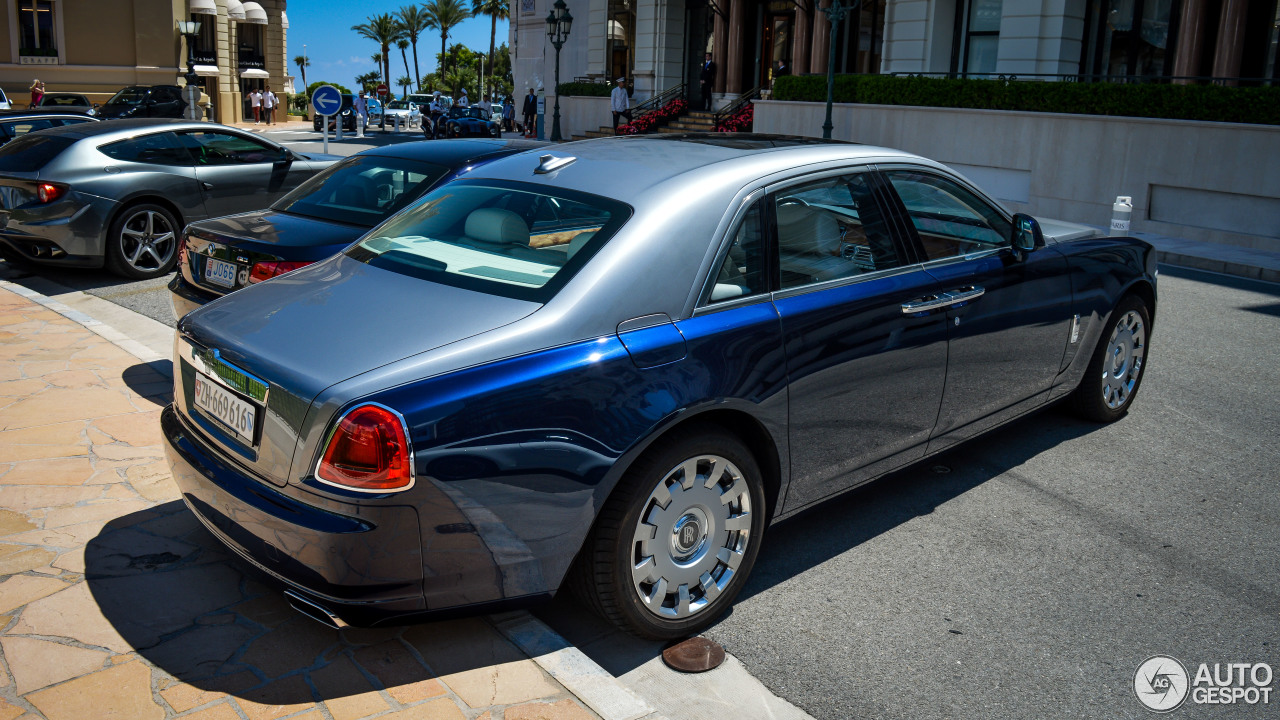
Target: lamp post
pixel 559 21
pixel 835 13
pixel 190 29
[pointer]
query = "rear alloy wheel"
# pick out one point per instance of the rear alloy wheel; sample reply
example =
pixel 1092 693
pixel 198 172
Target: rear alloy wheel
pixel 142 242
pixel 676 541
pixel 1116 369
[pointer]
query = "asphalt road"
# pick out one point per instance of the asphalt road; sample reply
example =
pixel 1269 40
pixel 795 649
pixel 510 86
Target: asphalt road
pixel 1029 573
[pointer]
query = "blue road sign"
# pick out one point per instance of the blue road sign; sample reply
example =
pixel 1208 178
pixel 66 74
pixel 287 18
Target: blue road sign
pixel 326 100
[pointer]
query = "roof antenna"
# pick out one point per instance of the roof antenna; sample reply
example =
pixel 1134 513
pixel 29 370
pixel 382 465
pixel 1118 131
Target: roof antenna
pixel 550 163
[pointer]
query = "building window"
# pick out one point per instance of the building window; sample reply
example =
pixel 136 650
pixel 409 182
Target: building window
pixel 980 30
pixel 205 48
pixel 35 28
pixel 1129 38
pixel 250 51
pixel 860 39
pixel 621 39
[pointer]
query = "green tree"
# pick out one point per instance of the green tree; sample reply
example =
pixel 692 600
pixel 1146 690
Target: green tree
pixel 405 82
pixel 444 15
pixel 303 62
pixel 413 22
pixel 403 44
pixel 496 10
pixel 384 30
pixel 369 80
pixel 312 88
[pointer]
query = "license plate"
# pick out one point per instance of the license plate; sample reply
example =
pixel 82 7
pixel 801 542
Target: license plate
pixel 219 272
pixel 224 406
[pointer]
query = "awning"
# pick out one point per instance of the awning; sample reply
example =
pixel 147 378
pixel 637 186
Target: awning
pixel 206 70
pixel 284 20
pixel 255 73
pixel 235 11
pixel 203 7
pixel 254 14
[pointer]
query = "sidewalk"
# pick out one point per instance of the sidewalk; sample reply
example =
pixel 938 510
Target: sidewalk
pixel 115 602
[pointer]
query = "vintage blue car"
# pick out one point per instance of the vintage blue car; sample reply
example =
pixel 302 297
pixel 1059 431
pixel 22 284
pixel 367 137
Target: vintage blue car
pixel 612 364
pixel 465 122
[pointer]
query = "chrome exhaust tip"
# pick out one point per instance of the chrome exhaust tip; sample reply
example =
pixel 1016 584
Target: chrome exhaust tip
pixel 314 610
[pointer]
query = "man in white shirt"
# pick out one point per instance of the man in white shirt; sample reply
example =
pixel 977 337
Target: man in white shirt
pixel 255 101
pixel 485 105
pixel 435 110
pixel 361 108
pixel 269 105
pixel 462 100
pixel 620 103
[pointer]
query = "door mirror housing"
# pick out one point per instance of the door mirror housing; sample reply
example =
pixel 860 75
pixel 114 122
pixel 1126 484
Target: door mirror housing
pixel 1027 235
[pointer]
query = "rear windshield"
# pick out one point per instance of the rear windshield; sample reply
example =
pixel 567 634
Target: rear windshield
pixel 363 190
pixel 31 152
pixel 511 239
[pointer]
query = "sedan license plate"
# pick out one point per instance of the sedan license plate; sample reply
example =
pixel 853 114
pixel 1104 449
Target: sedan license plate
pixel 219 272
pixel 225 407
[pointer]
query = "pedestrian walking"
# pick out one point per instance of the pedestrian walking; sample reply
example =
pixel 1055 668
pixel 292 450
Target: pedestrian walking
pixel 620 103
pixel 255 102
pixel 509 115
pixel 269 103
pixel 707 81
pixel 530 113
pixel 37 92
pixel 361 108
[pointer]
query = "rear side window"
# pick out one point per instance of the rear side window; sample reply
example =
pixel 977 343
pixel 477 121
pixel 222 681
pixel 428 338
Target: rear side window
pixel 157 149
pixel 31 152
pixel 22 127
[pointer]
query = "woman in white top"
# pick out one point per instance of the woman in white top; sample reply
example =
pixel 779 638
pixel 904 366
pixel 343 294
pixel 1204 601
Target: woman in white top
pixel 255 101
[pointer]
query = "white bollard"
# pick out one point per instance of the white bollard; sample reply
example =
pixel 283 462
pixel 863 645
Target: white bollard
pixel 337 135
pixel 1121 212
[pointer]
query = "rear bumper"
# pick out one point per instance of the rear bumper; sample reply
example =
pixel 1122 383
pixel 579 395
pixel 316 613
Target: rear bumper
pixel 363 563
pixel 185 297
pixel 70 232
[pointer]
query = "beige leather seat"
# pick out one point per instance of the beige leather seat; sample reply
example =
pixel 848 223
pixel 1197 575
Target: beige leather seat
pixel 809 243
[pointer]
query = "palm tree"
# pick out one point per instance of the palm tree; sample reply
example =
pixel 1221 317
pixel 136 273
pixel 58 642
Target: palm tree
pixel 444 15
pixel 383 30
pixel 303 63
pixel 496 10
pixel 404 82
pixel 413 22
pixel 403 45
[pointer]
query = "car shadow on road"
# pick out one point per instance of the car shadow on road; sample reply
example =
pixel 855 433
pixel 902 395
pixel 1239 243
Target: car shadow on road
pixel 169 590
pixel 839 525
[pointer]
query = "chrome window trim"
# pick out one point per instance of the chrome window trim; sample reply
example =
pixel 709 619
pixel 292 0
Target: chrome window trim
pixel 785 183
pixel 333 429
pixel 976 255
pixel 841 282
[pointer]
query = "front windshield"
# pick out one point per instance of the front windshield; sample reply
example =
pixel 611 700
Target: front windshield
pixel 363 190
pixel 129 96
pixel 398 105
pixel 504 238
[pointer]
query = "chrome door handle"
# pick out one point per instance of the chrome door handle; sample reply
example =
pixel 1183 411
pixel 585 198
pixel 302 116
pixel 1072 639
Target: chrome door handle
pixel 942 300
pixel 206 186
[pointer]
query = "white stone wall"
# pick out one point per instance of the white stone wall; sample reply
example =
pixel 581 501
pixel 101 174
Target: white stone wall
pixel 1040 36
pixel 1193 180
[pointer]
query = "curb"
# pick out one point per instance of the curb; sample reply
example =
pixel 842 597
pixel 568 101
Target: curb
pixel 1195 262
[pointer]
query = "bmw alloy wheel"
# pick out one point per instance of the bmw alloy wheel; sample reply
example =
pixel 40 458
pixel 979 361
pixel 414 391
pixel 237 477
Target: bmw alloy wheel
pixel 693 533
pixel 1123 360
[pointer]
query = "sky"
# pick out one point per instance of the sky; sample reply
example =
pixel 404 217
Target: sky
pixel 338 54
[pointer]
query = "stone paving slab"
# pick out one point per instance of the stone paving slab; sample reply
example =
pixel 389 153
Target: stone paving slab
pixel 116 603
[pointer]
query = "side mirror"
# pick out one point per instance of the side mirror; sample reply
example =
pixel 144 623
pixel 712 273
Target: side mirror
pixel 1027 235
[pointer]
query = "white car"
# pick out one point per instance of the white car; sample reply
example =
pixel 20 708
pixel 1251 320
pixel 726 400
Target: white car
pixel 4 101
pixel 408 112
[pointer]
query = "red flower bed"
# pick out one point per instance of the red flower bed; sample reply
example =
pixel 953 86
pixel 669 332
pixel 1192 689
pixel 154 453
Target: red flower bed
pixel 739 121
pixel 647 122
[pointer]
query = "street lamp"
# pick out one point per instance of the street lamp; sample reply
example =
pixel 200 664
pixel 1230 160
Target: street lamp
pixel 835 13
pixel 190 29
pixel 559 21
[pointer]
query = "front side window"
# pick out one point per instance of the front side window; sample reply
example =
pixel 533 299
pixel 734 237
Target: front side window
pixel 829 229
pixel 156 148
pixel 363 190
pixel 509 239
pixel 22 127
pixel 949 219
pixel 219 148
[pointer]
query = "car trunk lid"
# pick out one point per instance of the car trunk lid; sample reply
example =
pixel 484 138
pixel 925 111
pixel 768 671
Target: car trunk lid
pixel 305 331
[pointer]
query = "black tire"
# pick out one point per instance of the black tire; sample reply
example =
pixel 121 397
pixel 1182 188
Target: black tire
pixel 602 576
pixel 1103 396
pixel 142 242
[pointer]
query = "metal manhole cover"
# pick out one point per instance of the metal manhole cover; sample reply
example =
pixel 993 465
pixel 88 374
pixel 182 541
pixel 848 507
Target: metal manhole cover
pixel 694 655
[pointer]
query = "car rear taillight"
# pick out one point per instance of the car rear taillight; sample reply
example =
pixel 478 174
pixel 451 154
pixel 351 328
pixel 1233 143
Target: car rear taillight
pixel 368 451
pixel 182 249
pixel 48 192
pixel 267 270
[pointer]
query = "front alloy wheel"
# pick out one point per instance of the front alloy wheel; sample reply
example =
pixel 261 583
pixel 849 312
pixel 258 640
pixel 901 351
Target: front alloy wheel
pixel 1116 368
pixel 143 242
pixel 676 540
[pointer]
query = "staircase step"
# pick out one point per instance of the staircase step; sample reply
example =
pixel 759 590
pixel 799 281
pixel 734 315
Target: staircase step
pixel 672 130
pixel 691 127
pixel 599 133
pixel 701 114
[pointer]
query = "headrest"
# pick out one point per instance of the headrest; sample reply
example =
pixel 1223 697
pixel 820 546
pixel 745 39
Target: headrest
pixel 501 227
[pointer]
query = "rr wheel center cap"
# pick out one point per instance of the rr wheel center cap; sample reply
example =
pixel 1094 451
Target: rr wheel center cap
pixel 688 534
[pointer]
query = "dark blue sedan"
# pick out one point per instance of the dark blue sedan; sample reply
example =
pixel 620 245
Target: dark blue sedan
pixel 611 366
pixel 320 217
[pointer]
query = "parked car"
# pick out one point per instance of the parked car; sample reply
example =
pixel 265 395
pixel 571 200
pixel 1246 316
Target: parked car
pixel 4 101
pixel 611 366
pixel 16 123
pixel 408 112
pixel 145 101
pixel 119 192
pixel 347 113
pixel 321 217
pixel 68 102
pixel 466 122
